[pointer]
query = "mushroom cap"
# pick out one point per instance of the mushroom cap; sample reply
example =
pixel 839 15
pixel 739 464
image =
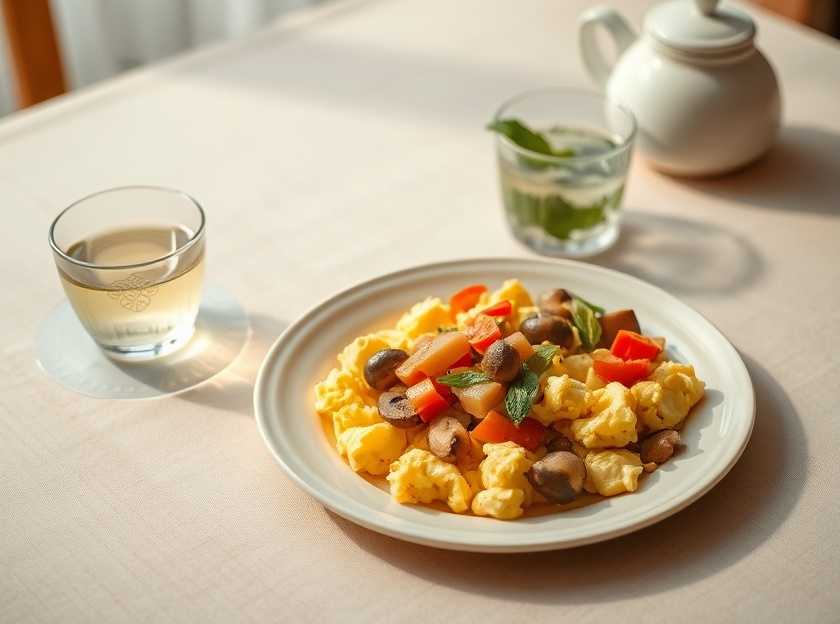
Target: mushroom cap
pixel 553 302
pixel 555 329
pixel 380 368
pixel 558 476
pixel 660 446
pixel 501 362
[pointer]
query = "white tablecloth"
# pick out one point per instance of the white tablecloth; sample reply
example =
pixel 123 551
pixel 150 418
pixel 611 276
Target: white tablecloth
pixel 314 147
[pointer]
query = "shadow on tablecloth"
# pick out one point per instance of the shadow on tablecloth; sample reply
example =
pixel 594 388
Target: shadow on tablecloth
pixel 233 390
pixel 723 527
pixel 798 174
pixel 683 256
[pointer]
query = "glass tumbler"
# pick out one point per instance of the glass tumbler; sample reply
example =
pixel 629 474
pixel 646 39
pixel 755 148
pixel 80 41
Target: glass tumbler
pixel 566 203
pixel 131 261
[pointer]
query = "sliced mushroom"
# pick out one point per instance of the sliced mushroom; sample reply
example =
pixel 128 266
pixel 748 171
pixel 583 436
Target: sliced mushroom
pixel 381 368
pixel 556 330
pixel 459 415
pixel 501 362
pixel 397 410
pixel 558 476
pixel 557 441
pixel 660 446
pixel 446 435
pixel 554 302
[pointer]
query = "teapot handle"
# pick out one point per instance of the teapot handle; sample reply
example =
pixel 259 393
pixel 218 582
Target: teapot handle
pixel 593 58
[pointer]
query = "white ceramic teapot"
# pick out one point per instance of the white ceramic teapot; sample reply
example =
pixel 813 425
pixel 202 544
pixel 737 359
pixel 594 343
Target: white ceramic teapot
pixel 706 100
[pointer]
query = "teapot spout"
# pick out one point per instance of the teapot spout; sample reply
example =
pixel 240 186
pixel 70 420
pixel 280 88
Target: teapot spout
pixel 593 57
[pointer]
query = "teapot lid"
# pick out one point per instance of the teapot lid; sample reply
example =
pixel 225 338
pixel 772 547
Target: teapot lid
pixel 700 26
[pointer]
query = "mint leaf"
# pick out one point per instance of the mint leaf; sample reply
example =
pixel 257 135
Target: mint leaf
pixel 464 379
pixel 553 214
pixel 587 324
pixel 521 394
pixel 541 360
pixel 523 136
pixel 445 330
pixel 595 308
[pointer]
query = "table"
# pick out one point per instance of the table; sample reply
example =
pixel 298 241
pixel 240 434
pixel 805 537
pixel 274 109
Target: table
pixel 311 145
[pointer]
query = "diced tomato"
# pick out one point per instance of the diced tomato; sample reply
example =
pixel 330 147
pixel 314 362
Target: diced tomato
pixel 503 308
pixel 467 361
pixel 445 392
pixel 483 332
pixel 466 298
pixel 426 399
pixel 629 345
pixel 498 428
pixel 627 372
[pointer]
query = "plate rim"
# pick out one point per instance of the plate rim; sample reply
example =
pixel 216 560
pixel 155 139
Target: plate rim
pixel 417 537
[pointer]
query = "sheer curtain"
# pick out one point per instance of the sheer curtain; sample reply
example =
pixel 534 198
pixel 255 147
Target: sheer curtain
pixel 100 38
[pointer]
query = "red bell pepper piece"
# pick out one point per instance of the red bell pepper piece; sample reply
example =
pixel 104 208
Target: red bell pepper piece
pixel 629 345
pixel 426 400
pixel 466 298
pixel 483 332
pixel 627 372
pixel 503 308
pixel 496 427
pixel 467 360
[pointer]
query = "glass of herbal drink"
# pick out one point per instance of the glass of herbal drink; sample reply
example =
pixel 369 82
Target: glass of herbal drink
pixel 131 261
pixel 563 158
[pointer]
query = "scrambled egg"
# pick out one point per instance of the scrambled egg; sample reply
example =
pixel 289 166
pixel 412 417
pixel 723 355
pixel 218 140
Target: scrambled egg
pixel 354 356
pixel 563 398
pixel 507 490
pixel 354 415
pixel 338 389
pixel 424 318
pixel 668 396
pixel 612 472
pixel 613 421
pixel 420 477
pixel 648 396
pixel 372 448
pixel 501 503
pixel 512 290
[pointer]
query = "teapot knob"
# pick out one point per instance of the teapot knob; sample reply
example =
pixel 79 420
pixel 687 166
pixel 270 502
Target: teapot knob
pixel 706 7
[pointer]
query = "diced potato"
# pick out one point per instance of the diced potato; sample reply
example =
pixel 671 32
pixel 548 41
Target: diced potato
pixel 479 399
pixel 434 358
pixel 518 341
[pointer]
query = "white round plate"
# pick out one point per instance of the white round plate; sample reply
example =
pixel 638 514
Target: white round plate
pixel 715 434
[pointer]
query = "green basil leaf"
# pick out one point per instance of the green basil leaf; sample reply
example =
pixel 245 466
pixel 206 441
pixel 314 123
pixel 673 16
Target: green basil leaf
pixel 586 322
pixel 541 360
pixel 521 394
pixel 445 330
pixel 464 379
